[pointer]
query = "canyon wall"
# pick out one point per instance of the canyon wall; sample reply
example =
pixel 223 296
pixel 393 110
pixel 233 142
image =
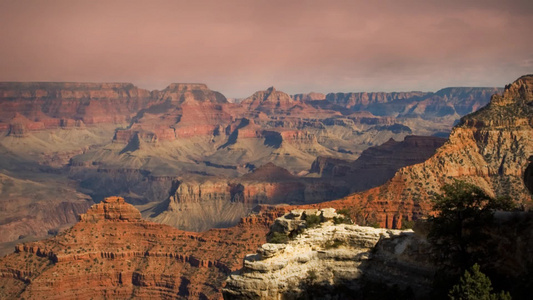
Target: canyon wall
pixel 489 148
pixel 46 105
pixel 102 139
pixel 342 261
pixel 113 253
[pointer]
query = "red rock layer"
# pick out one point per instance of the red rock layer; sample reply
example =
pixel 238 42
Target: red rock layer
pixel 180 111
pixel 490 149
pixel 43 105
pixel 113 253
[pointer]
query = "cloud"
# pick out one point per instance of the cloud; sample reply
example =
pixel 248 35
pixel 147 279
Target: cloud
pixel 239 47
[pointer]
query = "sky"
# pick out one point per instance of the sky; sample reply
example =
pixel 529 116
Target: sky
pixel 238 47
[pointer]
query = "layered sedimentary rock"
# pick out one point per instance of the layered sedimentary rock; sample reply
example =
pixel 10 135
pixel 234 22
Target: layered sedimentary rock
pixel 356 101
pixel 342 261
pixel 271 101
pixel 44 105
pixel 309 97
pixel 489 148
pixel 448 101
pixel 116 139
pixel 113 253
pixel 179 111
pixel 332 261
pixel 200 205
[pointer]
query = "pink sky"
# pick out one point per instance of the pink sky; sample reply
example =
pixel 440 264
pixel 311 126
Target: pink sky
pixel 239 47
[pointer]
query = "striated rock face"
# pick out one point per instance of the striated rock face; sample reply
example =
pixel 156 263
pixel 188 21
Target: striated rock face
pixel 489 148
pixel 187 131
pixel 113 253
pixel 191 93
pixel 181 110
pixel 44 105
pixel 309 97
pixel 357 101
pixel 272 101
pixel 200 205
pixel 331 261
pixel 111 208
pixel 269 100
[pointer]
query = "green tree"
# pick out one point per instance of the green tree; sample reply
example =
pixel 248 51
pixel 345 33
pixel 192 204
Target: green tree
pixel 461 213
pixel 474 285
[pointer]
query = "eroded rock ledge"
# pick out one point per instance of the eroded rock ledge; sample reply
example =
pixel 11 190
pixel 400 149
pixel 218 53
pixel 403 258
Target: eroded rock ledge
pixel 331 260
pixel 113 253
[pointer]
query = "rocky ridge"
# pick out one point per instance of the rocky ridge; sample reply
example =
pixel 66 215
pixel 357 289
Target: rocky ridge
pixel 342 261
pixel 489 148
pixel 113 253
pixel 107 139
pixel 47 105
pixel 331 261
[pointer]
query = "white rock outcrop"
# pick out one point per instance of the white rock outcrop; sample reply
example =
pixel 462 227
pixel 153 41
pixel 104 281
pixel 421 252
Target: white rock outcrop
pixel 326 257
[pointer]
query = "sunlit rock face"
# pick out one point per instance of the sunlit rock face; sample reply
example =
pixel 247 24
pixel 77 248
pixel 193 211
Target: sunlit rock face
pixel 113 253
pixel 489 148
pixel 331 261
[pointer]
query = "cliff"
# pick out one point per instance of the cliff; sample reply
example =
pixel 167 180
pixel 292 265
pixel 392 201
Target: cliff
pixel 45 105
pixel 489 148
pixel 357 101
pixel 113 253
pixel 450 101
pixel 332 261
pixel 342 261
pixel 198 205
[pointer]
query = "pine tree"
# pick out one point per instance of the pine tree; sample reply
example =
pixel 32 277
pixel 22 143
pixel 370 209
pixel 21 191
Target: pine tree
pixel 474 285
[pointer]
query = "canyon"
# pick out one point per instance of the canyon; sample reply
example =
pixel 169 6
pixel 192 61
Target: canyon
pixel 112 252
pixel 82 142
pixel 489 148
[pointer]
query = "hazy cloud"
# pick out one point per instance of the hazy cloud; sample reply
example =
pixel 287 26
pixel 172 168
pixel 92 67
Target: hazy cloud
pixel 238 47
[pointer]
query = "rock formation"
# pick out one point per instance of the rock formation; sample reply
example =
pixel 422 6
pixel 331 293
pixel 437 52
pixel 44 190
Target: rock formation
pixel 45 105
pixel 328 261
pixel 102 139
pixel 203 204
pixel 331 261
pixel 448 101
pixel 489 148
pixel 378 164
pixel 113 253
pixel 270 101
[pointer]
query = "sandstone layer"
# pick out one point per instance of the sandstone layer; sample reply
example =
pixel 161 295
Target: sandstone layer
pixel 489 148
pixel 113 253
